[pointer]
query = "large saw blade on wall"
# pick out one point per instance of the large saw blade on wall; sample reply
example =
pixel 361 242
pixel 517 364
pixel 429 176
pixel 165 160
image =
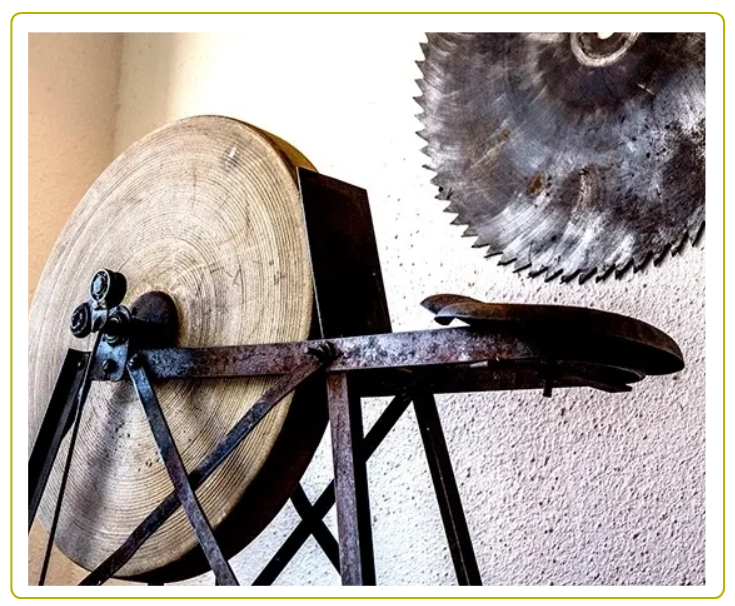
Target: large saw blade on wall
pixel 569 154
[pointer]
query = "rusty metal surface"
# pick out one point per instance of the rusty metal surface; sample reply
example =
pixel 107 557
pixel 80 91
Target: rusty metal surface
pixel 171 457
pixel 569 154
pixel 521 375
pixel 635 346
pixel 354 523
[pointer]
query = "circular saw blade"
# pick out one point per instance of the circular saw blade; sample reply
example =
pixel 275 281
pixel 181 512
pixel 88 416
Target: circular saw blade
pixel 569 154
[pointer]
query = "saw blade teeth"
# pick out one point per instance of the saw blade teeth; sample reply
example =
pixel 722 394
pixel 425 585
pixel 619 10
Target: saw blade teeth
pixel 506 259
pixel 661 255
pixel 623 268
pixel 566 278
pixel 483 240
pixel 520 265
pixel 697 234
pixel 642 263
pixel 605 272
pixel 470 232
pixel 553 275
pixel 583 277
pixel 535 272
pixel 678 247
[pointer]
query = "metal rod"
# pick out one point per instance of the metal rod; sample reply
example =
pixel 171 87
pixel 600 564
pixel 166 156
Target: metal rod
pixel 318 528
pixel 56 423
pixel 356 558
pixel 323 504
pixel 445 486
pixel 204 469
pixel 81 396
pixel 177 472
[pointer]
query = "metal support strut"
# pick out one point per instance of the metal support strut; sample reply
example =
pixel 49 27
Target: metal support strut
pixel 177 472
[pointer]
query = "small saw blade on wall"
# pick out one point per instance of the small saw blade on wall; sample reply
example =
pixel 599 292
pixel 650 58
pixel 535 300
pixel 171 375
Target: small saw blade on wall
pixel 571 155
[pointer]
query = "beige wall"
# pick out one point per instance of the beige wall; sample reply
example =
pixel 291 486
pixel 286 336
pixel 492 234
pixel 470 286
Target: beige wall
pixel 72 102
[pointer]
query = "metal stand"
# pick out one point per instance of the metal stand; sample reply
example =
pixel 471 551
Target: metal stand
pixel 359 357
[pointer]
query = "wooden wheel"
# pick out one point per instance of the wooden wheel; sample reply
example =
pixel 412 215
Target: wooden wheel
pixel 207 210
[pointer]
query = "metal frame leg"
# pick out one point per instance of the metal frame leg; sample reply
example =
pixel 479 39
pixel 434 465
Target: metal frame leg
pixel 175 466
pixel 357 566
pixel 56 424
pixel 447 493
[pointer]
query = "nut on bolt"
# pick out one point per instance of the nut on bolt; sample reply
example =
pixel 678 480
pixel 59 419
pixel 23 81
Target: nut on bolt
pixel 81 321
pixel 323 351
pixel 108 288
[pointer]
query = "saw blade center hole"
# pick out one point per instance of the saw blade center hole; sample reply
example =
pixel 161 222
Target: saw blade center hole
pixel 601 49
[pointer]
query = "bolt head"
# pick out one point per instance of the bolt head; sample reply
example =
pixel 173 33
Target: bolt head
pixel 109 366
pixel 81 321
pixel 100 285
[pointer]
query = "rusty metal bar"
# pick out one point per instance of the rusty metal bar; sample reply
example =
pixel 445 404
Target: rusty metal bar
pixel 56 423
pixel 223 573
pixel 357 566
pixel 390 350
pixel 445 486
pixel 454 346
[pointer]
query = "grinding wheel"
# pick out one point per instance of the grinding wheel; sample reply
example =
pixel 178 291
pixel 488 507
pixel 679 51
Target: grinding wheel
pixel 208 210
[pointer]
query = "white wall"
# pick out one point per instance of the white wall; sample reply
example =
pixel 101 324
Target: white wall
pixel 585 488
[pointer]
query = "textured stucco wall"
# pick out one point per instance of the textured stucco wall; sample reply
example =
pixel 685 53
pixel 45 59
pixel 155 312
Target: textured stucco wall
pixel 585 488
pixel 72 97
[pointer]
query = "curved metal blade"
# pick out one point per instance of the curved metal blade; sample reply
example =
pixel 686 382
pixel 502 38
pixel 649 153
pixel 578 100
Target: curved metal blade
pixel 570 154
